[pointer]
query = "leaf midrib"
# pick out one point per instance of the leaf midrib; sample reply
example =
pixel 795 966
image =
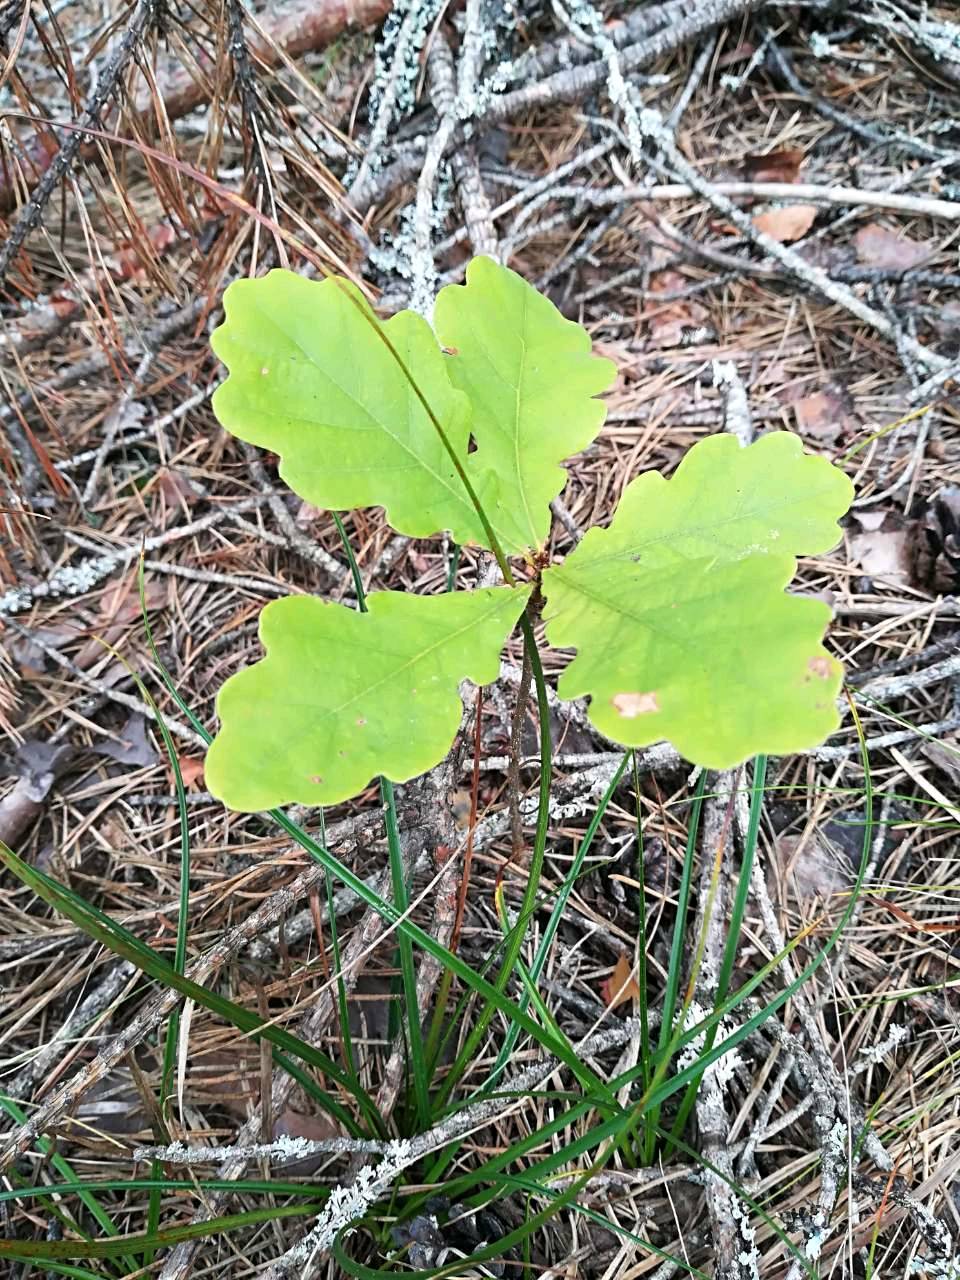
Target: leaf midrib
pixel 516 388
pixel 396 672
pixel 460 497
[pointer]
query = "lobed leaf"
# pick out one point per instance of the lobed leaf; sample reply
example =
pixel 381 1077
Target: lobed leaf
pixel 678 610
pixel 344 696
pixel 311 380
pixel 531 380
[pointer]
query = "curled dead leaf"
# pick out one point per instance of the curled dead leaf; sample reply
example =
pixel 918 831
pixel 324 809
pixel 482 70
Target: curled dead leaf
pixel 881 553
pixel 787 223
pixel 775 166
pixel 826 414
pixel 935 546
pixel 621 985
pixel 809 868
pixel 191 769
pixel 880 247
pixel 670 321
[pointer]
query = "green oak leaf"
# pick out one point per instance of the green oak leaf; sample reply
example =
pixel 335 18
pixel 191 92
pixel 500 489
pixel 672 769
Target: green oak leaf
pixel 531 381
pixel 344 696
pixel 311 380
pixel 678 611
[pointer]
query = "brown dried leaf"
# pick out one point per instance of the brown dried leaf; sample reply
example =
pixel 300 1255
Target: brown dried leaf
pixel 827 414
pixel 132 261
pixel 191 769
pixel 810 868
pixel 621 986
pixel 668 322
pixel 177 487
pixel 291 1124
pixel 879 247
pixel 881 553
pixel 775 166
pixel 787 223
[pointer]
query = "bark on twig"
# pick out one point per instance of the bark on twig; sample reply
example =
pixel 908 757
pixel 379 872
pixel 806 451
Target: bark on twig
pixel 144 16
pixel 288 32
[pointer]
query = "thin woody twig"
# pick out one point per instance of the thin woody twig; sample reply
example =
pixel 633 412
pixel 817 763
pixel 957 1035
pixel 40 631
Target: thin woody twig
pixel 143 18
pixel 72 580
pixel 570 84
pixel 113 425
pixel 733 1237
pixel 796 192
pixel 178 730
pixel 653 127
pixel 311 1029
pixel 423 286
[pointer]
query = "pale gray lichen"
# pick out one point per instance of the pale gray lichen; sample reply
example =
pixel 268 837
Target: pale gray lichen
pixel 725 1066
pixel 396 59
pixel 874 1054
pixel 346 1204
pixel 69 580
pixel 748 1259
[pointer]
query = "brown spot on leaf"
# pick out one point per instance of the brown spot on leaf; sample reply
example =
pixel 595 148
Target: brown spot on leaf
pixel 821 667
pixel 631 705
pixel 360 720
pixel 317 780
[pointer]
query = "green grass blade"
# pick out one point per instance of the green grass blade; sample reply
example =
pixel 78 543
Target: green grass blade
pixel 485 990
pixel 47 1250
pixel 677 950
pixel 345 1034
pixel 677 946
pixel 666 1088
pixel 65 1170
pixel 737 912
pixel 643 977
pixel 169 1186
pixel 528 904
pixel 516 1237
pixel 414 1036
pixel 183 920
pixel 556 915
pixel 156 967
